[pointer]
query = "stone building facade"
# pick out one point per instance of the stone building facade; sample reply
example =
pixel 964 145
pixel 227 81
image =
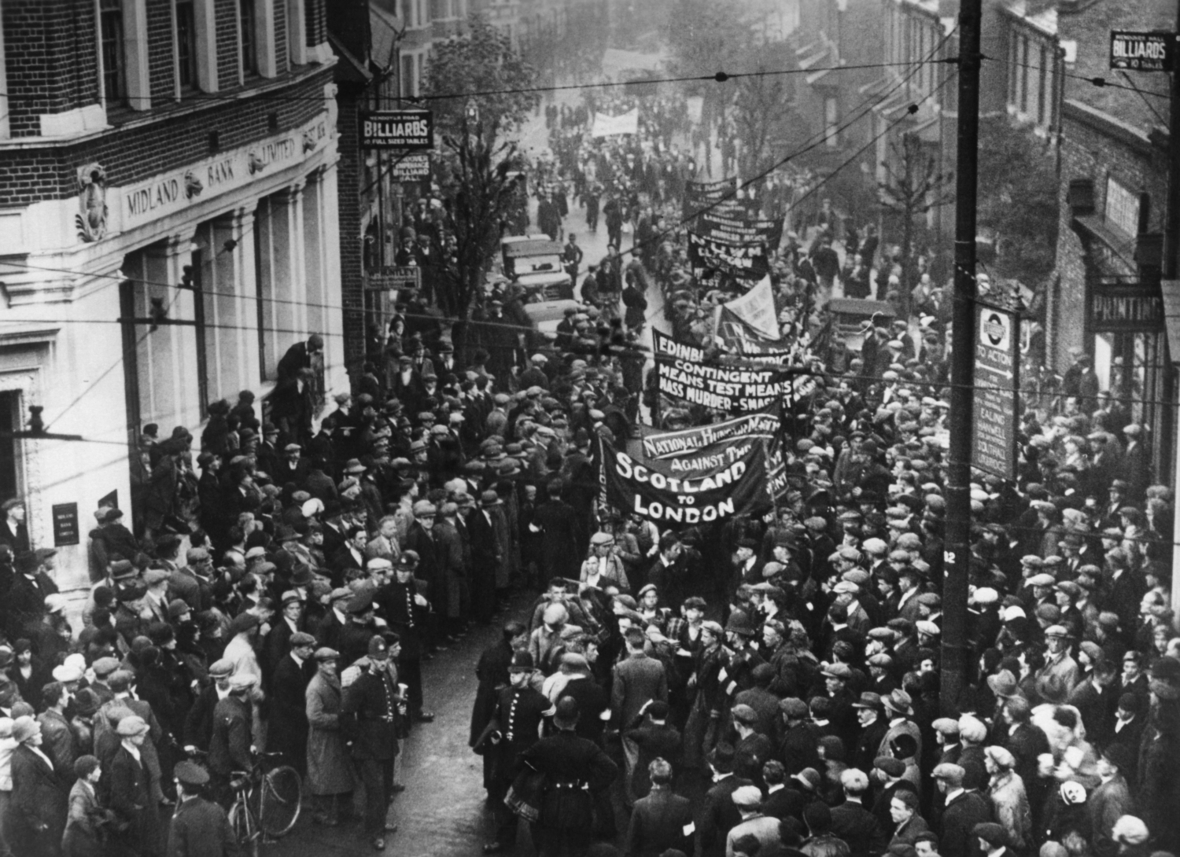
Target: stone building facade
pixel 171 158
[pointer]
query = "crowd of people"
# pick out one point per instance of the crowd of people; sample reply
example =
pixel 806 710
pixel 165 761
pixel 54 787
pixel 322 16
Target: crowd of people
pixel 768 685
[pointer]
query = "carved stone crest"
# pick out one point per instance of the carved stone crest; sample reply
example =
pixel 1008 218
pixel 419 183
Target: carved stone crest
pixel 255 162
pixel 309 140
pixel 91 218
pixel 192 184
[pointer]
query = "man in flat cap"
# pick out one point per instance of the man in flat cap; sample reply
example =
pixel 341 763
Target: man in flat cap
pixel 232 742
pixel 287 732
pixel 330 778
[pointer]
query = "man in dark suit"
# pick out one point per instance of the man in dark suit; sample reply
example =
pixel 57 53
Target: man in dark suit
pixel 288 706
pixel 130 792
pixel 37 809
pixel 797 750
pixel 662 820
pixel 718 815
pixel 964 809
pixel 869 714
pixel 782 800
pixel 852 822
pixel 198 721
pixel 656 739
pixel 368 718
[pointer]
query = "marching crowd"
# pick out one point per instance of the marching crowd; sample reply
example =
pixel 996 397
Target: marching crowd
pixel 764 686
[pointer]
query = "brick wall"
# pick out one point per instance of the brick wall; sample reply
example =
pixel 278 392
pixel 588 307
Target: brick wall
pixel 51 60
pixel 317 22
pixel 348 180
pixel 133 154
pixel 228 49
pixel 1089 150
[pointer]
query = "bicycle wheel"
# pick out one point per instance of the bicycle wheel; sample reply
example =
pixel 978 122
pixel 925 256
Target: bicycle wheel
pixel 239 823
pixel 281 792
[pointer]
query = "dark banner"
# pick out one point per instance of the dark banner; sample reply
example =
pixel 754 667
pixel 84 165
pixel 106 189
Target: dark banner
pixel 725 480
pixel 698 195
pixel 739 229
pixel 682 375
pixel 747 261
pixel 765 425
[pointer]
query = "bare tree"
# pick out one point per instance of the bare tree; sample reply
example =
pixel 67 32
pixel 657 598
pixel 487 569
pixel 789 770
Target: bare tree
pixel 913 186
pixel 480 172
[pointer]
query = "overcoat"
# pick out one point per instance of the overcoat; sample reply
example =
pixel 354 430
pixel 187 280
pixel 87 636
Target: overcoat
pixel 329 768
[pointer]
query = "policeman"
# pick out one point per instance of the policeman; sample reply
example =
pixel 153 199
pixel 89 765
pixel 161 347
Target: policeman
pixel 369 719
pixel 406 609
pixel 198 826
pixel 575 768
pixel 515 726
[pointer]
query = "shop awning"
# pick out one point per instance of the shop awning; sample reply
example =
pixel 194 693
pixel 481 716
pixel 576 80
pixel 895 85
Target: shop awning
pixel 385 29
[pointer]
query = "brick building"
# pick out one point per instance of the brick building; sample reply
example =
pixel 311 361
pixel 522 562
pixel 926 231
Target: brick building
pixel 146 145
pixel 1113 152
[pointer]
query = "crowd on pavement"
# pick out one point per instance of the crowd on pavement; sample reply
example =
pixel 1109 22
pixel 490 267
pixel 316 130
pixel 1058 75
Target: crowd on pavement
pixel 767 685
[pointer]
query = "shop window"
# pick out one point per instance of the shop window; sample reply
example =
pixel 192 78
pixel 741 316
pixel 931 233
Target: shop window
pixel 248 31
pixel 186 45
pixel 114 62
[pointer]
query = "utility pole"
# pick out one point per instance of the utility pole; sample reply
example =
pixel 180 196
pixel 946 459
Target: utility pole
pixel 958 501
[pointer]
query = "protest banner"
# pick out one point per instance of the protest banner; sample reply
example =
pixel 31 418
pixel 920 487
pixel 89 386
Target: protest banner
pixel 747 261
pixel 698 195
pixel 756 309
pixel 765 425
pixel 739 229
pixel 606 125
pixel 681 374
pixel 725 480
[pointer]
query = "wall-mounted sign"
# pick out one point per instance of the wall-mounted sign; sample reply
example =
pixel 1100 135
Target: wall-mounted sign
pixel 1124 308
pixel 1140 51
pixel 412 168
pixel 394 277
pixel 65 525
pixel 997 339
pixel 397 129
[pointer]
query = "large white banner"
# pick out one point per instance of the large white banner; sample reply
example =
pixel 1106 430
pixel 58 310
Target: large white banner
pixel 756 308
pixel 609 126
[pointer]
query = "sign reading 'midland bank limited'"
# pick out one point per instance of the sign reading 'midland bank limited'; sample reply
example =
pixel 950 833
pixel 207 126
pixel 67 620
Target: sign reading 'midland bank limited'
pixel 173 192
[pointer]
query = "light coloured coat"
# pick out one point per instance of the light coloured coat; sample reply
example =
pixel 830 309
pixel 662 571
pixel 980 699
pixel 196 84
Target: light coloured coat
pixel 329 766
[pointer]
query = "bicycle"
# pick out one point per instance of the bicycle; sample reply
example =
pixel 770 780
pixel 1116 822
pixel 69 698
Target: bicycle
pixel 266 804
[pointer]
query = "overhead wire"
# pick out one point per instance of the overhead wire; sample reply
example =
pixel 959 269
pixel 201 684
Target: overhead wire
pixel 720 76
